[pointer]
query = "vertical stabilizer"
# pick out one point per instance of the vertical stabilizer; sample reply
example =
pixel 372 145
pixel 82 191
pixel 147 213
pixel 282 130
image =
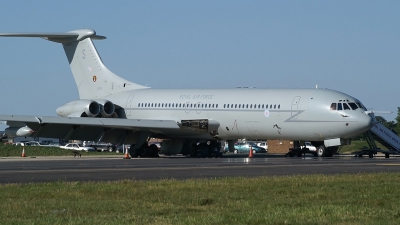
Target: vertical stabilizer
pixel 92 77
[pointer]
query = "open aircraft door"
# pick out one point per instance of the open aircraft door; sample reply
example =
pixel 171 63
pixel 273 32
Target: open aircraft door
pixel 295 107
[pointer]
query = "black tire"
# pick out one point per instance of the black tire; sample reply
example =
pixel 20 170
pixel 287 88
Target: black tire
pixel 153 150
pixel 321 151
pixel 133 152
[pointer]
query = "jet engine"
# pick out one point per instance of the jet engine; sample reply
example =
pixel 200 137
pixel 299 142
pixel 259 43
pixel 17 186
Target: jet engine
pixel 18 131
pixel 107 108
pixel 79 108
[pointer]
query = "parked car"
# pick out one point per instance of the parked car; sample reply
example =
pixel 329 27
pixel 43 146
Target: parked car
pixel 77 147
pixel 27 143
pixel 245 148
pixel 310 147
pixel 263 145
pixel 101 146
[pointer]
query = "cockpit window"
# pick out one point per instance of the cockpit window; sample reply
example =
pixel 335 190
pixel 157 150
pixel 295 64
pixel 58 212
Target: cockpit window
pixel 361 106
pixel 353 105
pixel 345 106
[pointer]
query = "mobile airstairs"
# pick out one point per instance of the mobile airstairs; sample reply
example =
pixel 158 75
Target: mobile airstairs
pixel 387 136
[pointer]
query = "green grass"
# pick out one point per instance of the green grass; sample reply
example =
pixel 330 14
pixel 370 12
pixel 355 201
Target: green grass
pixel 31 151
pixel 306 199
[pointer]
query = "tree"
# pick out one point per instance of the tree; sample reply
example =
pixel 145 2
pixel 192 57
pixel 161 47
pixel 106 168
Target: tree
pixel 397 125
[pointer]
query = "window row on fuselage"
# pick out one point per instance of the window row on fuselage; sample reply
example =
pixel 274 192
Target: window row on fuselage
pixel 252 106
pixel 209 105
pixel 177 105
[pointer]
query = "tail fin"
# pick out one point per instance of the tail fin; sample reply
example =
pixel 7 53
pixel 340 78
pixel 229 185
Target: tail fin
pixel 92 77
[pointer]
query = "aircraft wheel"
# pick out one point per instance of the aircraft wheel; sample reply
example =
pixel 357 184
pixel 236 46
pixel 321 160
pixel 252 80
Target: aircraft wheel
pixel 193 151
pixel 110 149
pixel 235 152
pixel 299 154
pixel 134 152
pixel 321 151
pixel 153 149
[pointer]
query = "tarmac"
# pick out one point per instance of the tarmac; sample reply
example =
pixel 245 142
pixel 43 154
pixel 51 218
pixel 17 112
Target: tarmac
pixel 114 167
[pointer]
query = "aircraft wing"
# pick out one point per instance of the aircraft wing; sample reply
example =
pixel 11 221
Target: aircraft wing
pixel 88 128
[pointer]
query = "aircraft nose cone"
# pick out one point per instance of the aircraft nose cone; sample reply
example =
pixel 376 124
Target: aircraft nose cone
pixel 365 122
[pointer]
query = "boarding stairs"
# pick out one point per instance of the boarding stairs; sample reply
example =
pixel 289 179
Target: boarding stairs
pixel 385 135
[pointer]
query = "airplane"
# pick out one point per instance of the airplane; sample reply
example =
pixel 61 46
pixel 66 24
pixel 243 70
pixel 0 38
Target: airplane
pixel 114 110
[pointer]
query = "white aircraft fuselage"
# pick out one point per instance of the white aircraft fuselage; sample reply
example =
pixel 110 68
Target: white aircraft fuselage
pixel 292 114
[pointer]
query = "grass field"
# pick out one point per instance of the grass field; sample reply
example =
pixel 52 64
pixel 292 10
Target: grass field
pixel 306 199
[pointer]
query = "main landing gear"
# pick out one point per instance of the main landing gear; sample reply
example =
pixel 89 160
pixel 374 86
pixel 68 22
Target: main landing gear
pixel 145 150
pixel 206 149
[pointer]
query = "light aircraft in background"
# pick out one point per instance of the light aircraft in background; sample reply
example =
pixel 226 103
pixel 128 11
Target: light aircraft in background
pixel 112 109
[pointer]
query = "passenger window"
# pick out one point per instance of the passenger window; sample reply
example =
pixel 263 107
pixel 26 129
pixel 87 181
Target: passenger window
pixel 274 106
pixel 345 106
pixel 216 106
pixel 339 106
pixel 333 106
pixel 279 106
pixel 247 106
pixel 262 106
pixel 239 106
pixel 235 106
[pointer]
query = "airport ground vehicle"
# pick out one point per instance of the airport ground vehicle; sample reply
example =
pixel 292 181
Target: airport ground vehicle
pixel 77 147
pixel 244 147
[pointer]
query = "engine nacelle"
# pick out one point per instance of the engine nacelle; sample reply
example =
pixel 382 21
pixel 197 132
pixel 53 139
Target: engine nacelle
pixel 107 108
pixel 79 108
pixel 18 131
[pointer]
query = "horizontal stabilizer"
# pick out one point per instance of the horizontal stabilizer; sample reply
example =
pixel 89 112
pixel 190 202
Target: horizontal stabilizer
pixel 71 36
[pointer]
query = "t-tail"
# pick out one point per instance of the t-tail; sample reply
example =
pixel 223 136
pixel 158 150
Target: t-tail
pixel 93 79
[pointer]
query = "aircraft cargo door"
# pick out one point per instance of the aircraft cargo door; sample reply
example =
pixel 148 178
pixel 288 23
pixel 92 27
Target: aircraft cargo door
pixel 295 107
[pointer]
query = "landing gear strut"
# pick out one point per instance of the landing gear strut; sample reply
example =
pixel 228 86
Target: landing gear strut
pixel 144 151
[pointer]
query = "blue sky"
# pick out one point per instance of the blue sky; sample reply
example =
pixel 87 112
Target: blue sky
pixel 349 46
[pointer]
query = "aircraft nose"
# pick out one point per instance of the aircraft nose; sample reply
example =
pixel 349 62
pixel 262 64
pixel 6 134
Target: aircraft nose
pixel 365 122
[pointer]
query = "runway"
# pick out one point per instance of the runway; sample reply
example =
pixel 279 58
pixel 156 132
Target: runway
pixel 111 168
